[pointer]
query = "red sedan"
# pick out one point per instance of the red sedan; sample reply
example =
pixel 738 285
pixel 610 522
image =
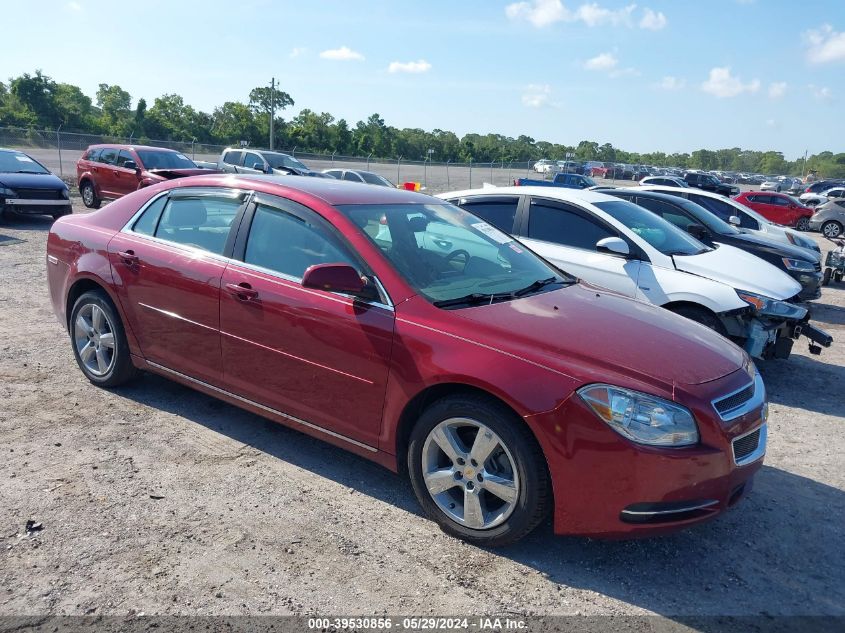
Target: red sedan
pixel 413 333
pixel 778 207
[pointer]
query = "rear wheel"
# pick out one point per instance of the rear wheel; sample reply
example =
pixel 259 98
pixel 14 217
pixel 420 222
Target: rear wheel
pixel 828 273
pixel 803 224
pixel 477 471
pixel 831 228
pixel 99 341
pixel 700 315
pixel 89 195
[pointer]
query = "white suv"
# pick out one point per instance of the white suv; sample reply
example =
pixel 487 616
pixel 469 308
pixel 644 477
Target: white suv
pixel 546 166
pixel 620 246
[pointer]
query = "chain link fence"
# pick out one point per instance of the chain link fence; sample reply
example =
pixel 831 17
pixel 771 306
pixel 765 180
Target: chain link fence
pixel 59 150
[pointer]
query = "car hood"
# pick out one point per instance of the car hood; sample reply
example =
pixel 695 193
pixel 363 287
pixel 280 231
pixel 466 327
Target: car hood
pixel 31 181
pixel 739 270
pixel 581 326
pixel 778 248
pixel 170 174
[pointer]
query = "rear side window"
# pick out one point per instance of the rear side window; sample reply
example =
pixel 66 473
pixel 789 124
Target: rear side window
pixel 93 154
pixel 287 244
pixel 202 222
pixel 721 209
pixel 501 213
pixel 108 156
pixel 146 224
pixel 747 222
pixel 666 211
pixel 352 176
pixel 334 173
pixel 561 226
pixel 232 158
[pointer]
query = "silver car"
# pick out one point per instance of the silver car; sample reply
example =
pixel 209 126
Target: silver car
pixel 772 185
pixel 829 218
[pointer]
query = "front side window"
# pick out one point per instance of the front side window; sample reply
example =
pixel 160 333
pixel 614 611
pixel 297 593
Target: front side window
pixel 202 221
pixel 665 237
pixel 375 179
pixel 552 223
pixel 289 244
pixel 122 158
pixel 501 212
pixel 254 161
pixel 449 255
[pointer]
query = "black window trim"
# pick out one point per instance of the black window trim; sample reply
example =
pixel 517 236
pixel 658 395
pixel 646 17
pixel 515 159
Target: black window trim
pixel 504 197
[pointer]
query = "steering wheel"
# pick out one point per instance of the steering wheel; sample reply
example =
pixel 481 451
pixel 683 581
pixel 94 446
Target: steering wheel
pixel 458 253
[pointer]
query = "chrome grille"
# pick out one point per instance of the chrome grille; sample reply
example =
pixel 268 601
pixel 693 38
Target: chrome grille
pixel 734 401
pixel 746 445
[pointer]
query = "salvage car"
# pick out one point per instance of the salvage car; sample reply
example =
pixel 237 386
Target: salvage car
pixel 259 161
pixel 27 187
pixel 745 218
pixel 108 172
pixel 359 175
pixel 618 245
pixel 803 265
pixel 815 199
pixel 829 218
pixel 475 370
pixel 778 208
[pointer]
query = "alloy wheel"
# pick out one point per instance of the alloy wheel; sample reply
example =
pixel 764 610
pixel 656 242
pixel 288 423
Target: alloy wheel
pixel 831 229
pixel 93 335
pixel 803 224
pixel 88 195
pixel 470 473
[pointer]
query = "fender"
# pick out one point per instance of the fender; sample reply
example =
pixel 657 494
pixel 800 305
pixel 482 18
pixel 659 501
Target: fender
pixel 87 175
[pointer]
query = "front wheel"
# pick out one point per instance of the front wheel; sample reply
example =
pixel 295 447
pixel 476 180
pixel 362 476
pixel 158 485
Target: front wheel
pixel 828 273
pixel 99 341
pixel 477 470
pixel 700 315
pixel 803 224
pixel 831 228
pixel 89 195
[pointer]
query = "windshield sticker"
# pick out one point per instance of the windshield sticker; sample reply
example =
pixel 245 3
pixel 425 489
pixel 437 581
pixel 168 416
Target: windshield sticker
pixel 515 248
pixel 492 232
pixel 25 159
pixel 182 156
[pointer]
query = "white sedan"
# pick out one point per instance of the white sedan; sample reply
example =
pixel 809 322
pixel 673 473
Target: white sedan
pixel 815 199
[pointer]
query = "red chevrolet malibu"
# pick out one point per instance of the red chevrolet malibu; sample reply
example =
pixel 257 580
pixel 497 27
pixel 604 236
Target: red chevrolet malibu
pixel 415 334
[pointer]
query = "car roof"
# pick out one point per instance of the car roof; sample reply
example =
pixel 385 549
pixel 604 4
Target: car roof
pixel 557 193
pixel 127 146
pixel 331 190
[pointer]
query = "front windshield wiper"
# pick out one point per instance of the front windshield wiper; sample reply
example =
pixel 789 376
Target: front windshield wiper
pixel 28 171
pixel 475 298
pixel 537 285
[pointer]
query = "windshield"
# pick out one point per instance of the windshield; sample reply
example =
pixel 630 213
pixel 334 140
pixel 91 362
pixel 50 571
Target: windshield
pixel 375 179
pixel 449 255
pixel 155 159
pixel 795 201
pixel 20 163
pixel 659 233
pixel 281 161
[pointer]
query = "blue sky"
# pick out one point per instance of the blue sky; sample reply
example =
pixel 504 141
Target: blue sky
pixel 671 75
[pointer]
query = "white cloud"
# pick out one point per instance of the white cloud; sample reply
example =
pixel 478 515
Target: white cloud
pixel 537 96
pixel 822 93
pixel 343 54
pixel 543 13
pixel 825 45
pixel 420 66
pixel 722 84
pixel 653 20
pixel 74 6
pixel 777 89
pixel 539 12
pixel 297 52
pixel 603 61
pixel 671 83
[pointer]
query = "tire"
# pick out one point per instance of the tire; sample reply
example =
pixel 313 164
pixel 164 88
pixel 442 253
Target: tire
pixel 831 228
pixel 828 273
pixel 89 195
pixel 700 315
pixel 837 277
pixel 803 224
pixel 515 460
pixel 92 320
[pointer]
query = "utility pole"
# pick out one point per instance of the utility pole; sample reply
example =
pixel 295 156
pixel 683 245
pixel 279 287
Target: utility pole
pixel 272 108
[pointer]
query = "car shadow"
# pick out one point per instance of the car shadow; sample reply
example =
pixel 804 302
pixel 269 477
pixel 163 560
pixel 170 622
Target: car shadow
pixel 783 543
pixel 826 313
pixel 26 222
pixel 815 377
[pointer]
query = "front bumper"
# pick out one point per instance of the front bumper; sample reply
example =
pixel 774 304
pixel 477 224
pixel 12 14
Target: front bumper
pixel 35 207
pixel 607 486
pixel 811 284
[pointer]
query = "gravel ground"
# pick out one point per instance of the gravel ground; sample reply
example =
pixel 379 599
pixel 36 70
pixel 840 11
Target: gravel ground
pixel 153 498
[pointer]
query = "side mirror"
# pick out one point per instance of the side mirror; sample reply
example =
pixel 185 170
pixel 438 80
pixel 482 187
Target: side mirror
pixel 130 164
pixel 259 167
pixel 613 246
pixel 338 278
pixel 734 219
pixel 698 231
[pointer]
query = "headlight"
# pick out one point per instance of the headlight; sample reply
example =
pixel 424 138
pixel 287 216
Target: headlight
pixel 7 193
pixel 640 417
pixel 772 307
pixel 797 264
pixel 791 238
pixel 65 193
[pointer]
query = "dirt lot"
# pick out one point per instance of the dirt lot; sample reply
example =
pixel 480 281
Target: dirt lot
pixel 153 498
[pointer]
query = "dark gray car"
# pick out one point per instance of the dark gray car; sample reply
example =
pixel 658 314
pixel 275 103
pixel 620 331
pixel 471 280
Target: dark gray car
pixel 829 218
pixel 258 161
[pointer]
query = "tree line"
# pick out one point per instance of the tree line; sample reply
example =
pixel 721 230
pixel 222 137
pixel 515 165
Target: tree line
pixel 37 101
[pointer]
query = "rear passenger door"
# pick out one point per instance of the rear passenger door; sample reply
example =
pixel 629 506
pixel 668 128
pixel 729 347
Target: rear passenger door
pixel 167 264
